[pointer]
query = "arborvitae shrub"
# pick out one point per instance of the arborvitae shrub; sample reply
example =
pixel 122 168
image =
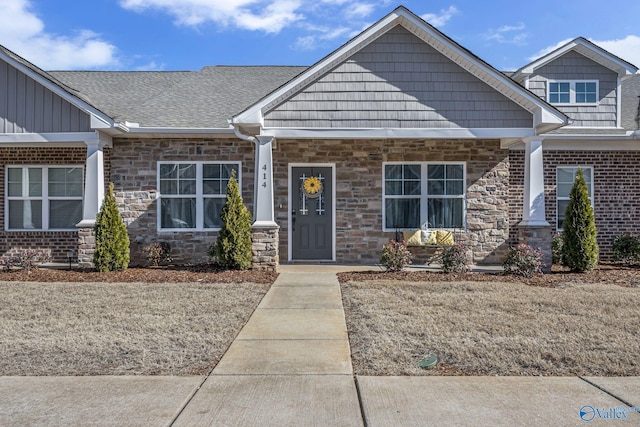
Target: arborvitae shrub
pixel 580 248
pixel 232 249
pixel 112 240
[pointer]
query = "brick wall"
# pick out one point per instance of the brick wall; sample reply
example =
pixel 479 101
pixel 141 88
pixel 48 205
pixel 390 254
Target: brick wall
pixel 359 190
pixel 616 190
pixel 134 174
pixel 55 243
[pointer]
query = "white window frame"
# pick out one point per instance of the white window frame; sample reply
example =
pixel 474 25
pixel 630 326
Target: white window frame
pixel 199 196
pixel 558 198
pixel 44 197
pixel 572 92
pixel 424 195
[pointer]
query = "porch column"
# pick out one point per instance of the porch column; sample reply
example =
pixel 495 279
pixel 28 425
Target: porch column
pixel 93 197
pixel 265 234
pixel 93 184
pixel 534 229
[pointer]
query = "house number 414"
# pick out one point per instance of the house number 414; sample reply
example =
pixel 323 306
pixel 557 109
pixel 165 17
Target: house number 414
pixel 264 175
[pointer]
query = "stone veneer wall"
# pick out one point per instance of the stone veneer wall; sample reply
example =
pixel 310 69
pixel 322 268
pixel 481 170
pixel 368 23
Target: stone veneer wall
pixel 56 243
pixel 616 190
pixel 134 174
pixel 359 235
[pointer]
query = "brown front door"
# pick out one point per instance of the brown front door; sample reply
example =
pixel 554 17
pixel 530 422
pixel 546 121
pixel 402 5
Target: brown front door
pixel 311 213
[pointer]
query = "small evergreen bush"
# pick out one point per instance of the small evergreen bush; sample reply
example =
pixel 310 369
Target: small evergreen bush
pixel 626 249
pixel 158 253
pixel 556 248
pixel 523 260
pixel 232 250
pixel 395 256
pixel 454 259
pixel 112 240
pixel 580 249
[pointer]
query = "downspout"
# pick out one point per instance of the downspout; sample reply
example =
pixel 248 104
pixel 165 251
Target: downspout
pixel 241 135
pixel 256 143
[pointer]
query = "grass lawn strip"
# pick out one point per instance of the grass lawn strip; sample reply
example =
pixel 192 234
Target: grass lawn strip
pixel 120 329
pixel 492 328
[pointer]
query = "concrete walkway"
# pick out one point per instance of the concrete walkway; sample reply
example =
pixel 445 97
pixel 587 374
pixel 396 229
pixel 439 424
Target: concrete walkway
pixel 290 366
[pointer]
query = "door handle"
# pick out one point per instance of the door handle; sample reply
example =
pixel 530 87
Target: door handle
pixel 293 220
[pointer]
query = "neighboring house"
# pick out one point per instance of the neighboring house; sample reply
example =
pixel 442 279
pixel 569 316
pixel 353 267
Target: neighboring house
pixel 403 128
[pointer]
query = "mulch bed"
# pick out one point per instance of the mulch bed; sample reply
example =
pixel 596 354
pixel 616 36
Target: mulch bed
pixel 202 273
pixel 627 276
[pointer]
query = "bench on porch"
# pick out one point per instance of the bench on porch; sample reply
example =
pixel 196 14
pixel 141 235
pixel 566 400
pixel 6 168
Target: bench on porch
pixel 428 244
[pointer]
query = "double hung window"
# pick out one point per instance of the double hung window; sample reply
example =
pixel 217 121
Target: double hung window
pixel 423 195
pixel 192 194
pixel 565 177
pixel 44 197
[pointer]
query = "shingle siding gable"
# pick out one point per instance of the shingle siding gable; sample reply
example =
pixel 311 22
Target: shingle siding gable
pixel 574 66
pixel 398 81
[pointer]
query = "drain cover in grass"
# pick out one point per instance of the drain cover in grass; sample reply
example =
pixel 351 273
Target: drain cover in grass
pixel 429 361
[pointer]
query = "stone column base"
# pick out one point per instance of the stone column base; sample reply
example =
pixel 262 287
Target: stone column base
pixel 264 248
pixel 86 247
pixel 540 237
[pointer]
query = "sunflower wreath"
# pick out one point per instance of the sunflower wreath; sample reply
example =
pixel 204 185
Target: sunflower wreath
pixel 312 187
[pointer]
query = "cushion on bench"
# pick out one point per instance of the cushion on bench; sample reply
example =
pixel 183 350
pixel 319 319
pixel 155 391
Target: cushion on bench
pixel 428 238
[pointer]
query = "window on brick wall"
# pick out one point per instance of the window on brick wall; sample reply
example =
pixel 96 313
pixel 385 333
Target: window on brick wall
pixel 565 177
pixel 192 194
pixel 44 197
pixel 423 195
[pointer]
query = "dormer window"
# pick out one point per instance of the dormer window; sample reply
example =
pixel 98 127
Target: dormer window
pixel 583 92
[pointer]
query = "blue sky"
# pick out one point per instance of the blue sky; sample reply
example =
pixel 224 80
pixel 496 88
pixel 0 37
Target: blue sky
pixel 190 34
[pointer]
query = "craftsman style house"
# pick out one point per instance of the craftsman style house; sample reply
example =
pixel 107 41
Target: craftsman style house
pixel 399 129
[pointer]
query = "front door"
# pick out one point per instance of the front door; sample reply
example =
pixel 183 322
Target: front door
pixel 311 213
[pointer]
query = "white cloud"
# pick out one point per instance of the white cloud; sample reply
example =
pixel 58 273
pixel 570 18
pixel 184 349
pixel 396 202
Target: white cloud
pixel 24 33
pixel 314 41
pixel 268 16
pixel 359 10
pixel 441 19
pixel 627 48
pixel 512 34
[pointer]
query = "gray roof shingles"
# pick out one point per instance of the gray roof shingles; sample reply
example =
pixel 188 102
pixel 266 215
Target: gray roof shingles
pixel 182 99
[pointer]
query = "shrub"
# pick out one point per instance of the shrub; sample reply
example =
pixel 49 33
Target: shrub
pixel 395 256
pixel 26 259
pixel 112 240
pixel 580 249
pixel 232 249
pixel 523 260
pixel 556 248
pixel 626 249
pixel 158 253
pixel 453 259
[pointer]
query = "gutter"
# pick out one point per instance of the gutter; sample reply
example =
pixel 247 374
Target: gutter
pixel 236 131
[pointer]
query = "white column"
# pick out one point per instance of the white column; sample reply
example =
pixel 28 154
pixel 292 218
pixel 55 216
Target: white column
pixel 264 215
pixel 94 183
pixel 533 213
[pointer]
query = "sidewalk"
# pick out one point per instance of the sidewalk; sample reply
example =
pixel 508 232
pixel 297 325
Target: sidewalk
pixel 290 366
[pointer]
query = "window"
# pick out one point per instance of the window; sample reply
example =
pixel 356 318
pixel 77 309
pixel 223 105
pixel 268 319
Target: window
pixel 565 177
pixel 44 197
pixel 192 194
pixel 573 92
pixel 423 195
